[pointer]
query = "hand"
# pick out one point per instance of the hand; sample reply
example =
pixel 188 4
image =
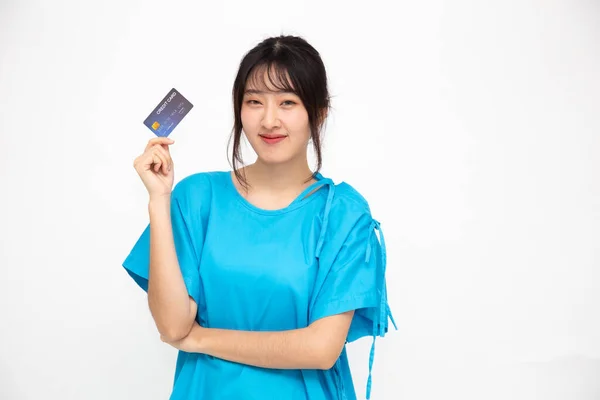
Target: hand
pixel 190 343
pixel 155 167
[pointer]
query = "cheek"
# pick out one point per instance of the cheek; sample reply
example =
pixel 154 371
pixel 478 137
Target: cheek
pixel 244 116
pixel 298 120
pixel 249 118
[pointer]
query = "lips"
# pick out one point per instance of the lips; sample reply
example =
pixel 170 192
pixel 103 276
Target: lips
pixel 272 136
pixel 272 139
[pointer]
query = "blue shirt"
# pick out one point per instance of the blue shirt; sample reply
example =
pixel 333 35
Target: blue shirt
pixel 253 269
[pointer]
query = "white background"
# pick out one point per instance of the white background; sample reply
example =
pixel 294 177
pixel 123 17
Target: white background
pixel 471 127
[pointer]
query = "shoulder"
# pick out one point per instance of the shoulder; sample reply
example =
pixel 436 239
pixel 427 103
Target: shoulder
pixel 198 186
pixel 349 216
pixel 349 223
pixel 349 202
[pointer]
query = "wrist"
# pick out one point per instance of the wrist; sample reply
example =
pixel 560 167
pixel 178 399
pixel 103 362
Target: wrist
pixel 159 201
pixel 199 337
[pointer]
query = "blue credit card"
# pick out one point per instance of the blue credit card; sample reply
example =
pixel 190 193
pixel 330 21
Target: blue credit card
pixel 168 113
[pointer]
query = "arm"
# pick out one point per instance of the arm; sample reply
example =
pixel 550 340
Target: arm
pixel 317 346
pixel 171 307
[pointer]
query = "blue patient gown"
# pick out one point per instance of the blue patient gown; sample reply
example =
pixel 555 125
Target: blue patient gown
pixel 272 270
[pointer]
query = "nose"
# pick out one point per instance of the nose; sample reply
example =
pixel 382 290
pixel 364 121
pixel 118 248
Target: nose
pixel 270 118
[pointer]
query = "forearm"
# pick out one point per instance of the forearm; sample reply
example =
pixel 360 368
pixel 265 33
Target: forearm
pixel 167 294
pixel 292 349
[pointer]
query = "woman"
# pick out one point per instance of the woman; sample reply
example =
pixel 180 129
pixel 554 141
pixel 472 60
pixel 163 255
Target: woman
pixel 260 275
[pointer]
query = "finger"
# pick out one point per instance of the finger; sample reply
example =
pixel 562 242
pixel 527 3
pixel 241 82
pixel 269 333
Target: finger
pixel 164 165
pixel 156 162
pixel 159 140
pixel 156 159
pixel 166 147
pixel 164 150
pixel 166 156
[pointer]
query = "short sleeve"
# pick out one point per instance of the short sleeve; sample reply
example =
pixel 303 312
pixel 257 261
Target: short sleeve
pixel 356 281
pixel 137 263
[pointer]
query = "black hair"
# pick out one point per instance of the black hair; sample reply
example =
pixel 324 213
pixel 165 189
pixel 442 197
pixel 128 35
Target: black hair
pixel 292 64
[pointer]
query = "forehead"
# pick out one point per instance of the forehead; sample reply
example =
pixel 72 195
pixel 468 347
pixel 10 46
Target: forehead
pixel 273 79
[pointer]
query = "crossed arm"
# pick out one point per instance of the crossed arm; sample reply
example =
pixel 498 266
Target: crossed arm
pixel 317 346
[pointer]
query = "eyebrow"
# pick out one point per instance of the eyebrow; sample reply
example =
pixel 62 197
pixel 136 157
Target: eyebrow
pixel 254 91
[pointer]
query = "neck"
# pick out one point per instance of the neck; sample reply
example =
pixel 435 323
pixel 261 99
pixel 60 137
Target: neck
pixel 278 176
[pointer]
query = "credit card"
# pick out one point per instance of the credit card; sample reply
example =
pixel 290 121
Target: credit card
pixel 168 113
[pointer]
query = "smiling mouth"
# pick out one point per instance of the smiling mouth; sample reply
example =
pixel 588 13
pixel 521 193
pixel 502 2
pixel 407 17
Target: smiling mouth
pixel 272 139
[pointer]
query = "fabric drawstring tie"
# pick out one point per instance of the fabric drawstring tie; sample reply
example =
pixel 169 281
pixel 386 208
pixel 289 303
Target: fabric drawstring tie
pixel 380 323
pixel 383 311
pixel 321 182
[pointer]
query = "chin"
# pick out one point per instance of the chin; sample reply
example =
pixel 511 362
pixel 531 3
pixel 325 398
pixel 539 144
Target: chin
pixel 281 153
pixel 275 159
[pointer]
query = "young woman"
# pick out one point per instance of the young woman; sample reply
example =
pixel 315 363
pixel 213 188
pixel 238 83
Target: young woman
pixel 262 274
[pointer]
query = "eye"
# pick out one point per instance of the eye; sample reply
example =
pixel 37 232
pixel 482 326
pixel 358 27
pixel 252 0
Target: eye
pixel 252 102
pixel 289 101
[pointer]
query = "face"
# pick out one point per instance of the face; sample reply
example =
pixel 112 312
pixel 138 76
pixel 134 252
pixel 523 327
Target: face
pixel 275 123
